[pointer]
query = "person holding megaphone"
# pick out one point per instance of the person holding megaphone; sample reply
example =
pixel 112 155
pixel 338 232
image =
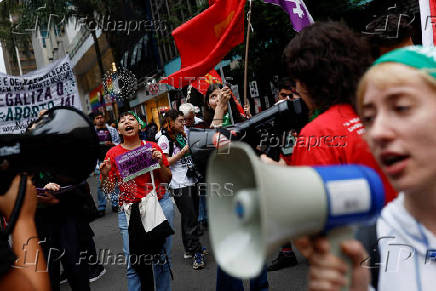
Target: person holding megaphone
pixel 397 104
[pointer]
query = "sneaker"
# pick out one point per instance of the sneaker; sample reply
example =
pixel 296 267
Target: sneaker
pixel 283 261
pixel 198 263
pixel 63 278
pixel 204 251
pixel 95 272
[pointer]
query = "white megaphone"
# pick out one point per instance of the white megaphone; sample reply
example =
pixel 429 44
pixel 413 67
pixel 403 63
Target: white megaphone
pixel 272 205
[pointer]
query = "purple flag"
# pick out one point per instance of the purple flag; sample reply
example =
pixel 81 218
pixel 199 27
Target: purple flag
pixel 297 10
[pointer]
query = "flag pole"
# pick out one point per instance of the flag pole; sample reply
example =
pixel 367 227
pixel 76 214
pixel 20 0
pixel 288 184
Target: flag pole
pixel 247 44
pixel 229 108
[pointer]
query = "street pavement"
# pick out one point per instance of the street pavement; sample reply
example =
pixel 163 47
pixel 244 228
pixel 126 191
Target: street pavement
pixel 108 238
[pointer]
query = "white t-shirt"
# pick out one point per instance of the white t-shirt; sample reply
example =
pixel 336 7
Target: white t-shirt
pixel 179 168
pixel 408 251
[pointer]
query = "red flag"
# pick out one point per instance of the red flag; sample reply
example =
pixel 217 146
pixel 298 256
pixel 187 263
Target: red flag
pixel 203 83
pixel 204 40
pixel 433 11
pixel 239 106
pixel 427 9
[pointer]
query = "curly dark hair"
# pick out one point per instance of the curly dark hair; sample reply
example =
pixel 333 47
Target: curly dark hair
pixel 329 59
pixel 209 112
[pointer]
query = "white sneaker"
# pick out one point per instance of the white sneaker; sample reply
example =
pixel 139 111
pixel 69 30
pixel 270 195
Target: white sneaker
pixel 187 256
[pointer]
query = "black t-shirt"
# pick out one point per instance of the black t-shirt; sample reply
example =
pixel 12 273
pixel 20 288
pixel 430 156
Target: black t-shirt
pixel 104 135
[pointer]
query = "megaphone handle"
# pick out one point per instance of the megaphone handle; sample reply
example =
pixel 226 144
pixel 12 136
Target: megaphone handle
pixel 335 237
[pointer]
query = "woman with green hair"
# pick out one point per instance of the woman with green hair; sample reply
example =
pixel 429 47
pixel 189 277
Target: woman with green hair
pixel 396 100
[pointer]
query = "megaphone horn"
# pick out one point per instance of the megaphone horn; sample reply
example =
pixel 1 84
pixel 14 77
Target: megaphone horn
pixel 274 204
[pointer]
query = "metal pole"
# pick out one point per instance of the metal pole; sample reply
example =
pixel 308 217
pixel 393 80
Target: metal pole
pixel 247 45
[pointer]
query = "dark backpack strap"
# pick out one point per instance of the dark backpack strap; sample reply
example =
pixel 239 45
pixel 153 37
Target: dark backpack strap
pixel 171 144
pixel 367 235
pixel 171 150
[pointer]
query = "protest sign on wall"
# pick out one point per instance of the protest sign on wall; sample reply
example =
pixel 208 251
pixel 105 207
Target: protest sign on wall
pixel 22 98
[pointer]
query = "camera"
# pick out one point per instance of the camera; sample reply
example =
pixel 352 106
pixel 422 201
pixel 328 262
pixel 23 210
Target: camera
pixel 62 142
pixel 275 122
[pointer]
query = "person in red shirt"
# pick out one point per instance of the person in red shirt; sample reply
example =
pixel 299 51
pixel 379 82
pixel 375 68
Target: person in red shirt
pixel 326 60
pixel 135 189
pixel 139 187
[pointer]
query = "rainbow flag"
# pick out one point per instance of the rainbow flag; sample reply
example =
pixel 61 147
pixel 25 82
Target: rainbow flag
pixel 94 97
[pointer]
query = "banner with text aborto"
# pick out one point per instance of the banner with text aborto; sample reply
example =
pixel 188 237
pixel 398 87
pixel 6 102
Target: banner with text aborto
pixel 23 97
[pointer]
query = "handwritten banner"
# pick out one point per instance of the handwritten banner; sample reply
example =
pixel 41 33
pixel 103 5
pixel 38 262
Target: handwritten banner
pixel 135 163
pixel 22 98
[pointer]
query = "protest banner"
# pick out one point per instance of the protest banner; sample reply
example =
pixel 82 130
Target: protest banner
pixel 23 97
pixel 137 162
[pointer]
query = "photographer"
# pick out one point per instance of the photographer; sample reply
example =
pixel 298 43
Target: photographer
pixel 326 60
pixel 174 145
pixel 286 257
pixel 62 221
pixel 23 275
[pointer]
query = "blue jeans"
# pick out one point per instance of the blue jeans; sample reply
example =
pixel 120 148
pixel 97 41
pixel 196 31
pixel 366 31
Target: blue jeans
pixel 224 282
pixel 162 276
pixel 101 197
pixel 202 210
